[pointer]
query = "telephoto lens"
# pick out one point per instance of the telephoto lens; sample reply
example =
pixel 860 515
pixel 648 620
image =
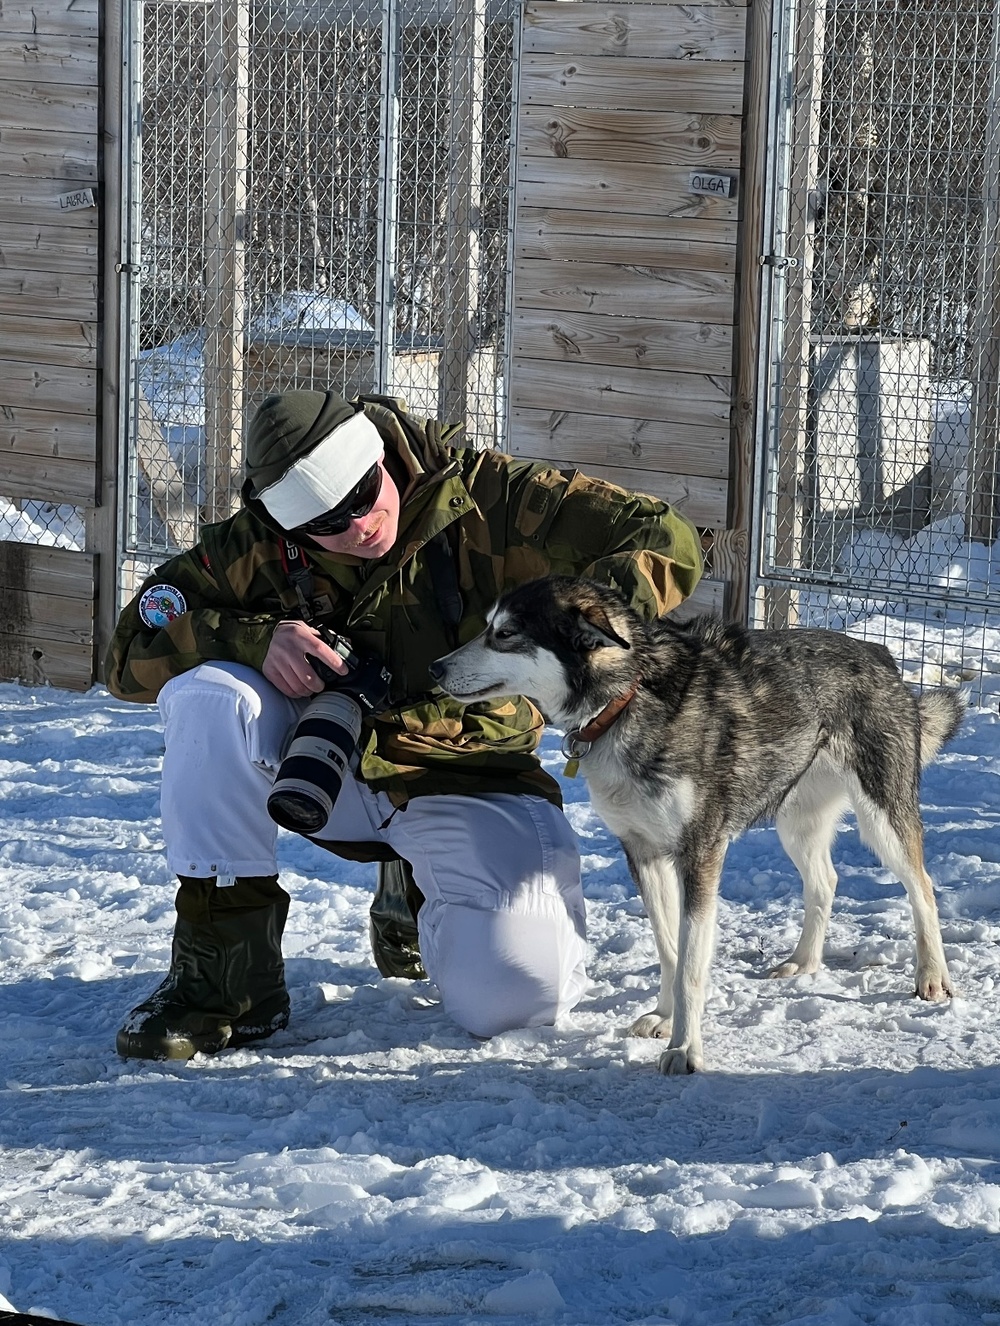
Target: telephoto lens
pixel 323 741
pixel 316 763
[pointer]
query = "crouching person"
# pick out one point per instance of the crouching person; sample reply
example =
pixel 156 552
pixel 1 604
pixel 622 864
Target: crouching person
pixel 360 522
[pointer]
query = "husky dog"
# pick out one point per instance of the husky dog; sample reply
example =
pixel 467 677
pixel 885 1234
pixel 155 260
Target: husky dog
pixel 690 733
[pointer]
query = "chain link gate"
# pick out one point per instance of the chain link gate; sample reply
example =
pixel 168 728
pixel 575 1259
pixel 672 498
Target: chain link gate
pixel 878 485
pixel 319 198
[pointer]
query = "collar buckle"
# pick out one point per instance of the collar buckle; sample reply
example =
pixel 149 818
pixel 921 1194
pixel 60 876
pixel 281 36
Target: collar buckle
pixel 574 747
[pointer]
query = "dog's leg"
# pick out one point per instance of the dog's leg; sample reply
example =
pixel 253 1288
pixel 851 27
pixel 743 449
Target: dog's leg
pixel 699 902
pixel 901 850
pixel 659 888
pixel 806 825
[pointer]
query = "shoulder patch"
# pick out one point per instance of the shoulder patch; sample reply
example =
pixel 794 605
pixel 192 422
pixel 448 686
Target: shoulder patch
pixel 160 605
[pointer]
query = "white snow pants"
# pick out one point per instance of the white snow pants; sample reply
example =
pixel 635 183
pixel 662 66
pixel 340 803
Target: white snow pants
pixel 502 928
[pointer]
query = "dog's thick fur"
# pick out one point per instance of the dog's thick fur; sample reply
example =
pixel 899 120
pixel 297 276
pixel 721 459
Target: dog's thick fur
pixel 728 727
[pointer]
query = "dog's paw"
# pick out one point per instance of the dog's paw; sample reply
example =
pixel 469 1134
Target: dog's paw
pixel 676 1062
pixel 651 1024
pixel 785 970
pixel 933 984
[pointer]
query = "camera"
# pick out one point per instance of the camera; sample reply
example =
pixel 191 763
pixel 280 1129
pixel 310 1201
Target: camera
pixel 322 742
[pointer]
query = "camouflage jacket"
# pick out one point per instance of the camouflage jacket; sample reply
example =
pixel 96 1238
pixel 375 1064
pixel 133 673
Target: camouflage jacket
pixel 506 521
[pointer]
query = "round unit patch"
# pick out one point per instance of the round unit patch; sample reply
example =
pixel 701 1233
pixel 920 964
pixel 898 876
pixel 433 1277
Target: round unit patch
pixel 160 605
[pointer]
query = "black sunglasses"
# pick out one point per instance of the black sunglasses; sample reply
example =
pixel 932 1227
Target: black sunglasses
pixel 358 502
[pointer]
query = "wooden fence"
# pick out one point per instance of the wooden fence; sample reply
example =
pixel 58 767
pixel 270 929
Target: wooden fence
pixel 626 358
pixel 50 270
pixel 634 314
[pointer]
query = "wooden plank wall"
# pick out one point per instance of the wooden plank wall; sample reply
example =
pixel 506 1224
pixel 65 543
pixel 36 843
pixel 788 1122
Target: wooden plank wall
pixel 49 270
pixel 623 313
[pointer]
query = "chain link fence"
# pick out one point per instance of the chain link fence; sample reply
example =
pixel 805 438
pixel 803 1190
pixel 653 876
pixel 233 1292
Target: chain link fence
pixel 321 200
pixel 46 524
pixel 880 495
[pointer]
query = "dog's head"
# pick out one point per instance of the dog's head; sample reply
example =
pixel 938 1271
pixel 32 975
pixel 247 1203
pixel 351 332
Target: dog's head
pixel 560 641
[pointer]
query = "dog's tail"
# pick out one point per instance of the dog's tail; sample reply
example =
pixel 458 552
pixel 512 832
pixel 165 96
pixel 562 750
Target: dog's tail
pixel 941 714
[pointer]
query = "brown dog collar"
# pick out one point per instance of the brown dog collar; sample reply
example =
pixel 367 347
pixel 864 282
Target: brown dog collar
pixel 576 744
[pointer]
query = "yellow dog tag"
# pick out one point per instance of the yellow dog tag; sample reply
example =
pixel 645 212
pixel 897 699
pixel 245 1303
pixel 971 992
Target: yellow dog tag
pixel 574 748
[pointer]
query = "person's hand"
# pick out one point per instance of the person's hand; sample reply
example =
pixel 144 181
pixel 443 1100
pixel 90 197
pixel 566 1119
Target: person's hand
pixel 286 666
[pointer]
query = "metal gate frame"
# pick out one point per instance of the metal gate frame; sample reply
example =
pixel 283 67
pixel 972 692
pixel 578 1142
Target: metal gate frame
pixel 792 565
pixel 443 83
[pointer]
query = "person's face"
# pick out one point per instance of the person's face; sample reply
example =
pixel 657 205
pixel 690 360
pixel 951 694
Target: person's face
pixel 371 535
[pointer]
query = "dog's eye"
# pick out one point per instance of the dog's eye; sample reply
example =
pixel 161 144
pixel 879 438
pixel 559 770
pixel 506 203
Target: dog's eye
pixel 503 633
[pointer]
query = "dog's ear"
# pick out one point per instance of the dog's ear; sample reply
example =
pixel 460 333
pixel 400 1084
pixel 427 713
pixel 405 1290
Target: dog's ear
pixel 596 631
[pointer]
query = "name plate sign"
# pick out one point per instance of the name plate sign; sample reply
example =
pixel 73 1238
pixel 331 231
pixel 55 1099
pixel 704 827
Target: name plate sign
pixel 717 186
pixel 72 202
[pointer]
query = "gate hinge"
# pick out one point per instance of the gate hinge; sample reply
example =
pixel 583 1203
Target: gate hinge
pixel 778 261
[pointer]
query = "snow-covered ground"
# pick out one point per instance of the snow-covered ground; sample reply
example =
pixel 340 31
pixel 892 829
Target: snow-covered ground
pixel 838 1163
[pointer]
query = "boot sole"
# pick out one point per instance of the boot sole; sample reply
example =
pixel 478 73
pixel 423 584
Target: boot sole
pixel 143 1045
pixel 136 1045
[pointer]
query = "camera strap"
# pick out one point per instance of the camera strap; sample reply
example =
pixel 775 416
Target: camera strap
pixel 440 557
pixel 299 573
pixel 441 564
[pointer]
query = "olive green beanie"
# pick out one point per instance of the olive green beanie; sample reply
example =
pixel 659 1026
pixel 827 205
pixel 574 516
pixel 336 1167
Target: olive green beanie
pixel 305 451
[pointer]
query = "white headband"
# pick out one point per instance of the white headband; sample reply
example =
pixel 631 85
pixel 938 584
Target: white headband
pixel 322 479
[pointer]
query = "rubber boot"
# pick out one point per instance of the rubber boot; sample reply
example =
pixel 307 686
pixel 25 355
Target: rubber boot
pixel 226 983
pixel 392 922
